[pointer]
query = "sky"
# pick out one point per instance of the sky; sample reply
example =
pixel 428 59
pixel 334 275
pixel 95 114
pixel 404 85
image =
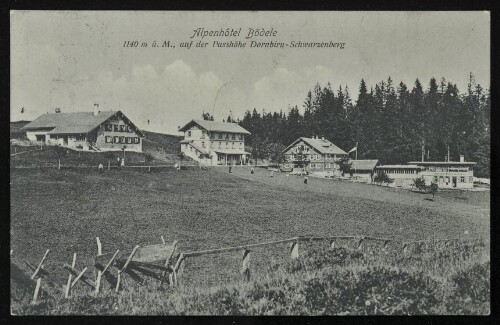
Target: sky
pixel 73 60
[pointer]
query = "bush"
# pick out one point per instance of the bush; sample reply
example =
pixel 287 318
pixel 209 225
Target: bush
pixel 419 183
pixel 382 177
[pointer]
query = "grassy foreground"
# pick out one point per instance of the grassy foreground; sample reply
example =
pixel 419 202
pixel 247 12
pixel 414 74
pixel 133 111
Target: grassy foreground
pixel 64 210
pixel 338 281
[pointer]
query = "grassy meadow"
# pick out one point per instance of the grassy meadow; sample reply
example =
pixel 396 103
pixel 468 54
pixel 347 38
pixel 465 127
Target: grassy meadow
pixel 64 210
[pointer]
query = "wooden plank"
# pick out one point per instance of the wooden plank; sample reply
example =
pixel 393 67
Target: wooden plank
pixel 68 285
pixel 294 250
pixel 82 277
pixel 146 254
pixel 245 269
pixel 78 277
pixel 238 248
pixel 40 264
pixel 37 289
pixel 134 251
pixel 44 274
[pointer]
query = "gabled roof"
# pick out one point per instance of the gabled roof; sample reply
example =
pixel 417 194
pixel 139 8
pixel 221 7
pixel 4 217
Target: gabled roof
pixel 215 126
pixel 73 123
pixel 364 164
pixel 321 145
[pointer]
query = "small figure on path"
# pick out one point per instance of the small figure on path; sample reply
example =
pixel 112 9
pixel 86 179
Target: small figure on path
pixel 101 167
pixel 230 168
pixel 271 175
pixel 305 179
pixel 252 171
pixel 118 161
pixel 122 163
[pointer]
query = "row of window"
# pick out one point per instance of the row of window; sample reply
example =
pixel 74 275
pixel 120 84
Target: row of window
pixel 400 171
pixel 312 165
pixel 116 139
pixel 118 128
pixel 446 179
pixel 220 136
pixel 313 157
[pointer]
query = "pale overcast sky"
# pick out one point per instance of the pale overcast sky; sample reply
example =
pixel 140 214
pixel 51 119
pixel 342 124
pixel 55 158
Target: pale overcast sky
pixel 72 60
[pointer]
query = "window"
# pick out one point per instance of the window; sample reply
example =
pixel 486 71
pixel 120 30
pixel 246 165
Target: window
pixel 227 144
pixel 108 139
pixel 116 140
pixel 122 139
pixel 233 137
pixel 189 133
pixel 327 165
pixel 116 128
pixel 313 165
pixel 435 179
pixel 122 128
pixel 129 140
pixel 136 140
pixel 241 144
pixel 232 145
pixel 241 136
pixel 462 179
pixel 220 144
pixel 447 179
pixel 471 179
pixel 108 127
pixel 219 135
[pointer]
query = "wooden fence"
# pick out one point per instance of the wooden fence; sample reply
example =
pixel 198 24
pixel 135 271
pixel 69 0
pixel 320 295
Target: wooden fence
pixel 139 262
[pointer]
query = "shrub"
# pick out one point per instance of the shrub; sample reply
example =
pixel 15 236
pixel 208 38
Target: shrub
pixel 382 177
pixel 419 183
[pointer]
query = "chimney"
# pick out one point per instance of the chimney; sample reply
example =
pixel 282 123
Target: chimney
pixel 462 158
pixel 96 109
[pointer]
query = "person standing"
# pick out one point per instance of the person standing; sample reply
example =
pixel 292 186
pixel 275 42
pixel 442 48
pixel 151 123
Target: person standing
pixel 101 168
pixel 252 171
pixel 305 179
pixel 118 161
pixel 122 162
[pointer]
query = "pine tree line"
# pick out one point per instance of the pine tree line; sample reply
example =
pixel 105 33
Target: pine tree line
pixel 390 122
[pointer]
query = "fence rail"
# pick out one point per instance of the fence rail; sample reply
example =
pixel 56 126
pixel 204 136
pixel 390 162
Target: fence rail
pixel 172 268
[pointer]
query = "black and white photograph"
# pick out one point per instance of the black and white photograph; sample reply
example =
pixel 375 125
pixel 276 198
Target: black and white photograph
pixel 249 163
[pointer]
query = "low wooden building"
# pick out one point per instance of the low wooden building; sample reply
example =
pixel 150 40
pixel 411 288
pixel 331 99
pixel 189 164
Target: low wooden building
pixel 363 170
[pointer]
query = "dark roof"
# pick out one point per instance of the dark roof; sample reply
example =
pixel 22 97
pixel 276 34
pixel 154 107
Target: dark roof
pixel 216 126
pixel 321 145
pixel 364 164
pixel 73 123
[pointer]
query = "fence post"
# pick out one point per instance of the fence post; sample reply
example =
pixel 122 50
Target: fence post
pixel 127 262
pixel 360 242
pixel 99 273
pixel 37 289
pixel 386 243
pixel 294 250
pixel 245 270
pixel 177 270
pixel 405 248
pixel 68 285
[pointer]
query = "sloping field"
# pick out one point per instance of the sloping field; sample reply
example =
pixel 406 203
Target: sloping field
pixel 65 210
